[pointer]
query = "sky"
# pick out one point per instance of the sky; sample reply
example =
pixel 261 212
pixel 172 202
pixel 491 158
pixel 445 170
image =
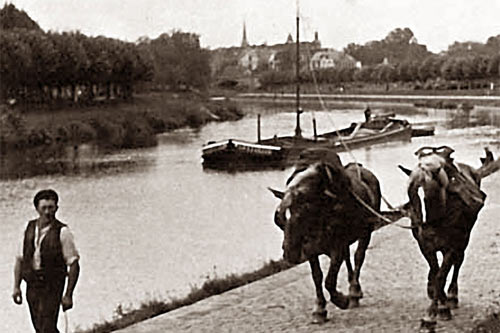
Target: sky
pixel 435 23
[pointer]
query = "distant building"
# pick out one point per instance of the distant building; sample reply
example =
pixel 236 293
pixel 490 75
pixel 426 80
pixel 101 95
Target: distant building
pixel 330 58
pixel 249 59
pixel 244 41
pixel 273 61
pixel 233 62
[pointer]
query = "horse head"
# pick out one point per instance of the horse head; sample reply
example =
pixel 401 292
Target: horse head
pixel 301 212
pixel 431 176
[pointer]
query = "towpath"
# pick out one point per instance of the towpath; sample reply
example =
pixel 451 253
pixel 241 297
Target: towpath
pixel 393 280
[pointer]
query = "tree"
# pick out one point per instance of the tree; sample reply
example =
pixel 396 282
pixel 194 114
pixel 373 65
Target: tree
pixel 179 60
pixel 364 74
pixel 45 59
pixel 346 74
pixel 480 64
pixel 430 68
pixel 15 64
pixel 407 71
pixel 493 44
pixel 73 61
pixel 399 36
pixel 400 45
pixel 383 73
pixel 452 69
pixel 11 18
pixel 494 66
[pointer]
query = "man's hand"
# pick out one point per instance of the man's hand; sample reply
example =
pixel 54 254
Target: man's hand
pixel 67 302
pixel 17 296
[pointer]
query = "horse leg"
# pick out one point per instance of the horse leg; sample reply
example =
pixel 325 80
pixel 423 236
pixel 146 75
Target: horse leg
pixel 453 288
pixel 337 256
pixel 319 313
pixel 355 292
pixel 347 259
pixel 353 301
pixel 429 321
pixel 431 257
pixel 439 294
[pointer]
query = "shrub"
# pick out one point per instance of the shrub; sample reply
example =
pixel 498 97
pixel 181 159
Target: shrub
pixel 137 133
pixel 109 133
pixel 80 132
pixel 157 124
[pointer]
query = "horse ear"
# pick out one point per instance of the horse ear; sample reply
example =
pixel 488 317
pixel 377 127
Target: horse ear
pixel 489 157
pixel 328 173
pixel 405 170
pixel 277 194
pixel 445 151
pixel 423 150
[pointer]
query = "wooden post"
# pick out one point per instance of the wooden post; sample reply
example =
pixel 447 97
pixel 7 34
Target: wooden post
pixel 314 129
pixel 258 128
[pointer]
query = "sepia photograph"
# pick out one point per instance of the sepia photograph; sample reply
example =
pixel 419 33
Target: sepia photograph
pixel 250 166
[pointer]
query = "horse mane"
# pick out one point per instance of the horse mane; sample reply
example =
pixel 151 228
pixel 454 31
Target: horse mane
pixel 316 156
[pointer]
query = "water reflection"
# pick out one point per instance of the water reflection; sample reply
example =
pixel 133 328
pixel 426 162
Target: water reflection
pixel 66 160
pixel 464 118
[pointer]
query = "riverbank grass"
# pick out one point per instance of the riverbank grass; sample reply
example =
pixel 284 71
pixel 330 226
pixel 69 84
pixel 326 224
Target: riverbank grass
pixel 115 123
pixel 211 287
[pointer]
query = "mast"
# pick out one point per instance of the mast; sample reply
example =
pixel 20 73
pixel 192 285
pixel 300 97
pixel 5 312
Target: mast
pixel 298 131
pixel 258 128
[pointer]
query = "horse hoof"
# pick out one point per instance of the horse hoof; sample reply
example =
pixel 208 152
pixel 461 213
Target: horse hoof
pixel 444 313
pixel 452 302
pixel 341 301
pixel 319 317
pixel 427 325
pixel 355 291
pixel 353 302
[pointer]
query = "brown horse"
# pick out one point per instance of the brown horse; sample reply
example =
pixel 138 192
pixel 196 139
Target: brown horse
pixel 452 201
pixel 323 211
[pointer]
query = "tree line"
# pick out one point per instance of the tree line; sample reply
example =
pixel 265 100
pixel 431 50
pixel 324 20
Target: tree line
pixel 399 58
pixel 39 67
pixel 178 61
pixel 43 67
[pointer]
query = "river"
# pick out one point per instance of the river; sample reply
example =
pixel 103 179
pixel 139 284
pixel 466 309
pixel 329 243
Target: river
pixel 151 223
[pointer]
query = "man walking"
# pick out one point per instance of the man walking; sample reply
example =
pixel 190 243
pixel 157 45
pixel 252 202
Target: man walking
pixel 48 249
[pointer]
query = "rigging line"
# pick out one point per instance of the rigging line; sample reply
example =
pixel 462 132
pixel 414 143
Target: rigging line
pixel 322 102
pixel 323 106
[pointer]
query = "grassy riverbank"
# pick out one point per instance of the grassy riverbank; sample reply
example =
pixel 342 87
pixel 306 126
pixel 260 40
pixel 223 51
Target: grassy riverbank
pixel 155 307
pixel 119 124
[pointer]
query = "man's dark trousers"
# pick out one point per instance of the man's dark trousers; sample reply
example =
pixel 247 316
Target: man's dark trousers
pixel 44 300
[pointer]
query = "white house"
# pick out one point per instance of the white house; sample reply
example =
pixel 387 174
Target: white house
pixel 249 60
pixel 330 58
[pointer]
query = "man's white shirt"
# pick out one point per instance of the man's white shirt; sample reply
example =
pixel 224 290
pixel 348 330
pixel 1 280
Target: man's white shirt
pixel 69 250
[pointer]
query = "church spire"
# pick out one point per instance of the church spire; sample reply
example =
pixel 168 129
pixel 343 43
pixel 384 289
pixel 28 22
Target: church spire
pixel 244 41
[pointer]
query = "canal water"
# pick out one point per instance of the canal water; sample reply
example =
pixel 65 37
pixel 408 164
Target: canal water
pixel 151 223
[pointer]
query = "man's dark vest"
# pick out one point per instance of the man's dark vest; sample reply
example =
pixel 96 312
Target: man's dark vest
pixel 53 266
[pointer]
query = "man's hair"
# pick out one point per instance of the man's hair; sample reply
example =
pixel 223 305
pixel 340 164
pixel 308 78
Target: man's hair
pixel 45 195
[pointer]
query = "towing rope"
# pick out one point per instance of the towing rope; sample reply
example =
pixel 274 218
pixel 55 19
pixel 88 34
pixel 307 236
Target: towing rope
pixel 380 216
pixel 348 150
